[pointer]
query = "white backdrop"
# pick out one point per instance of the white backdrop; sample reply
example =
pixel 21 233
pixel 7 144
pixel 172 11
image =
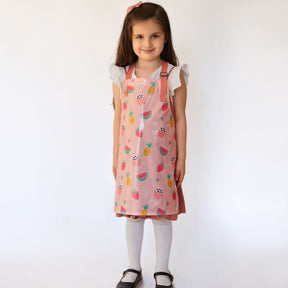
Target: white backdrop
pixel 57 226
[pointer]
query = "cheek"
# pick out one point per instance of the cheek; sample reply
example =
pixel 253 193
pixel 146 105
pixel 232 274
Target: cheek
pixel 161 44
pixel 135 45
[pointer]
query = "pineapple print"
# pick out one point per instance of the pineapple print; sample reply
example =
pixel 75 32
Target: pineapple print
pixel 147 149
pixel 145 210
pixel 131 118
pixel 171 121
pixel 151 89
pixel 169 180
pixel 128 179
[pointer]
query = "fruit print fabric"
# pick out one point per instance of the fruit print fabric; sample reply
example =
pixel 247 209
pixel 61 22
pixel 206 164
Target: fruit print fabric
pixel 145 184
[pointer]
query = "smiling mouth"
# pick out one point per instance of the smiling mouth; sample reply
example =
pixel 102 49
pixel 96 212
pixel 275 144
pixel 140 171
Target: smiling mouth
pixel 147 50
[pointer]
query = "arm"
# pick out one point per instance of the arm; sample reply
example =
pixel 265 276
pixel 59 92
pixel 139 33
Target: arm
pixel 116 126
pixel 181 129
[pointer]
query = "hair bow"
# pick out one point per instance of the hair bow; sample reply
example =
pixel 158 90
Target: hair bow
pixel 129 9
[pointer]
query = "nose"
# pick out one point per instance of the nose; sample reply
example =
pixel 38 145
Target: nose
pixel 147 42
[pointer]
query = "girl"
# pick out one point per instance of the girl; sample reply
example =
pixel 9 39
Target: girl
pixel 149 99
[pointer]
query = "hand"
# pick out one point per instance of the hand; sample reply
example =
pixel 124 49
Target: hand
pixel 114 167
pixel 179 172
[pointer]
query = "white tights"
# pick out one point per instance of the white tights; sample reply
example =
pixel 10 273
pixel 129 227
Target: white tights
pixel 163 240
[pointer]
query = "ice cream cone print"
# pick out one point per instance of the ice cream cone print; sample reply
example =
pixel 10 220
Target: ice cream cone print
pixel 136 160
pixel 161 132
pixel 173 161
pixel 122 130
pixel 140 99
pixel 158 193
pixel 119 189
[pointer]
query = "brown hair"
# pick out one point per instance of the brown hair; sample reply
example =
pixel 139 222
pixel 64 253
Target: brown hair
pixel 125 54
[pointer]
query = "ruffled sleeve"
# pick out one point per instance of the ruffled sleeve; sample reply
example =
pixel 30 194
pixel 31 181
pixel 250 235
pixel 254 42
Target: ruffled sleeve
pixel 174 78
pixel 117 75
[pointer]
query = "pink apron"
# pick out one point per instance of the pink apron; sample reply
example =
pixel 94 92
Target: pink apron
pixel 145 184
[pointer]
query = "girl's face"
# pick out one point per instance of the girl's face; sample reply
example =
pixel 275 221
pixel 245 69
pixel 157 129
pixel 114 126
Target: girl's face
pixel 148 40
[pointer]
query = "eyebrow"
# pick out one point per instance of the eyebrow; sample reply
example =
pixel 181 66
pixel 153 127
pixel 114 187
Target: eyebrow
pixel 151 33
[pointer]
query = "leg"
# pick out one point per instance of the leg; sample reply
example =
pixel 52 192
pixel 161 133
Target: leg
pixel 163 240
pixel 134 238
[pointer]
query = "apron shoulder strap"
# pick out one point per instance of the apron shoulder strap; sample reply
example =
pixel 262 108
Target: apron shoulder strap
pixel 170 71
pixel 164 81
pixel 129 72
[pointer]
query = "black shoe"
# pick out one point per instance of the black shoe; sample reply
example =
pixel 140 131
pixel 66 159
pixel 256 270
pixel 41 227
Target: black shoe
pixel 130 284
pixel 166 274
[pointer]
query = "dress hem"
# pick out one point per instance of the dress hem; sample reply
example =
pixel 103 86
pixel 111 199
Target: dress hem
pixel 172 217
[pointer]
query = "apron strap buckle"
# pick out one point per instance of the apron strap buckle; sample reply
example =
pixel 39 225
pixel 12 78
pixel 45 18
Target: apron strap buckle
pixel 164 74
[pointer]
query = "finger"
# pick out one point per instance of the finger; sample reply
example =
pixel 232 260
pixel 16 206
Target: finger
pixel 177 172
pixel 181 176
pixel 179 183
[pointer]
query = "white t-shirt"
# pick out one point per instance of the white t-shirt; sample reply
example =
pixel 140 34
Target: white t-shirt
pixel 118 75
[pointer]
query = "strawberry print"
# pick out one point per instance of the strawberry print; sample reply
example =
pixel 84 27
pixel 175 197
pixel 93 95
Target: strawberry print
pixel 135 194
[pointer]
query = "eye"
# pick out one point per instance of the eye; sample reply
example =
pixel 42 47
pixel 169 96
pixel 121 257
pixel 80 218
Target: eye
pixel 155 36
pixel 139 37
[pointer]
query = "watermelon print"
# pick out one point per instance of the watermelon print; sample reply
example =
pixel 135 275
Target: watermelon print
pixel 146 164
pixel 161 212
pixel 163 151
pixel 146 115
pixel 123 210
pixel 127 149
pixel 142 176
pixel 130 89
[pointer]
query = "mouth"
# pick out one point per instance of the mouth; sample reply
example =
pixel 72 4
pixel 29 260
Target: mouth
pixel 147 50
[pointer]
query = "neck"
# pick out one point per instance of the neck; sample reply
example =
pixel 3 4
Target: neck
pixel 142 64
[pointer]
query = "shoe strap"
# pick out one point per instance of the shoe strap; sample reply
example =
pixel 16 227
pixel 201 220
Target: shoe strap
pixel 132 270
pixel 165 274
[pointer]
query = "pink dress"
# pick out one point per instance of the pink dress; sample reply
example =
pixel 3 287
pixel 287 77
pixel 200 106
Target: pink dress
pixel 145 184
